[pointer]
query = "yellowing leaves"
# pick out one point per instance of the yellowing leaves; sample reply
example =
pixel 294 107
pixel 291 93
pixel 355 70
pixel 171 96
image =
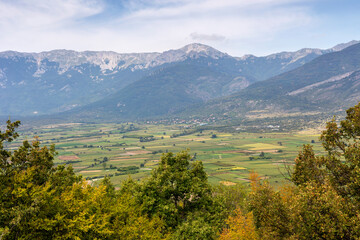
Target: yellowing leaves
pixel 240 227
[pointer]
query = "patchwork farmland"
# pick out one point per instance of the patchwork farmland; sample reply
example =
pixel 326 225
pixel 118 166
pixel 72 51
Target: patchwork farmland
pixel 123 150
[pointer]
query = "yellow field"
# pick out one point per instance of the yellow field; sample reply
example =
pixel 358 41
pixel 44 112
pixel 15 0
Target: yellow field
pixel 227 183
pixel 158 147
pixel 261 146
pixel 238 168
pixel 164 136
pixel 224 135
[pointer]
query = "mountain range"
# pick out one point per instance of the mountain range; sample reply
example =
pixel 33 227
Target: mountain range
pixel 141 85
pixel 329 83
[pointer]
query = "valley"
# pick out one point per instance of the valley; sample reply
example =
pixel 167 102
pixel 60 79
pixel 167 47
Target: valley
pixel 179 120
pixel 128 149
pixel 112 114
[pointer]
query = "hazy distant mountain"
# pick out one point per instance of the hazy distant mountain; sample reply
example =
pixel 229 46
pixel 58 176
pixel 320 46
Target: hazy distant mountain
pixel 59 80
pixel 174 89
pixel 55 81
pixel 262 68
pixel 329 83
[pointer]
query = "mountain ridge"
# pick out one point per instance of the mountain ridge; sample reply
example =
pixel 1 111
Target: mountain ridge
pixel 151 59
pixel 59 80
pixel 329 83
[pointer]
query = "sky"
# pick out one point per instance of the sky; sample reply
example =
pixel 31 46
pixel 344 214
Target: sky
pixel 237 27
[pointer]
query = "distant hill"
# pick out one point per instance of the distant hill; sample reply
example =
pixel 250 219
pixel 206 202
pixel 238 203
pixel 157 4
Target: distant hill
pixel 262 68
pixel 60 80
pixel 328 83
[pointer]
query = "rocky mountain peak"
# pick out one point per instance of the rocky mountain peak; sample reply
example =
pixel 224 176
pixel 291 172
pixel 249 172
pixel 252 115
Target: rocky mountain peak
pixel 342 46
pixel 198 48
pixel 194 50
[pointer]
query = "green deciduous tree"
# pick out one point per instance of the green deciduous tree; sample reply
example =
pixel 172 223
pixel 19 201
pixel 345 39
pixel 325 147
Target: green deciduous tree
pixel 271 214
pixel 330 184
pixel 179 193
pixel 318 212
pixel 341 163
pixel 29 181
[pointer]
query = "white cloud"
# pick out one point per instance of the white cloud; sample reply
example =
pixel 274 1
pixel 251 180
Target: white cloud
pixel 158 25
pixel 21 14
pixel 206 37
pixel 235 20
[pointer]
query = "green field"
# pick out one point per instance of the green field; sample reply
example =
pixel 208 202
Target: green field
pixel 120 150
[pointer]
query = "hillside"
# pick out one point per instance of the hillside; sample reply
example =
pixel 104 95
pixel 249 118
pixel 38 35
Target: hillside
pixel 164 91
pixel 174 90
pixel 59 80
pixel 329 83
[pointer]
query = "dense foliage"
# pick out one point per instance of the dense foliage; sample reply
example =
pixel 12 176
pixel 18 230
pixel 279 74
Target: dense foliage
pixel 41 201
